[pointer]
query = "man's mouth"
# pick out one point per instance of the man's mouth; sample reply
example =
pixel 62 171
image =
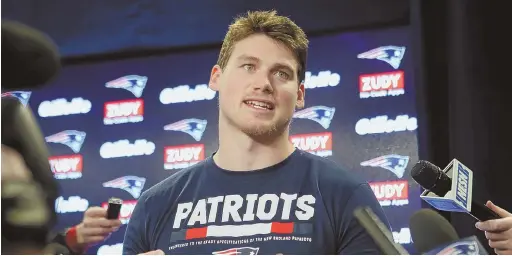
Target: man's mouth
pixel 259 104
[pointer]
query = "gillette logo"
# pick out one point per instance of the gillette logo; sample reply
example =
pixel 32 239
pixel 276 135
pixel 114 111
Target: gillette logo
pixel 403 236
pixel 381 84
pixel 124 111
pixel 316 143
pixel 115 249
pixel 390 54
pixel 130 184
pixel 132 83
pixel 66 167
pixel 61 107
pixel 381 124
pixel 22 96
pixel 321 114
pixel 393 163
pixel 193 127
pixel 184 93
pixel 391 193
pixel 123 148
pixel 73 204
pixel 179 157
pixel 71 138
pixel 323 79
pixel 461 194
pixel 126 210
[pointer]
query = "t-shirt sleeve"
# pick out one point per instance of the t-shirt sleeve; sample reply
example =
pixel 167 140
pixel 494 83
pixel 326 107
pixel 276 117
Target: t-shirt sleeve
pixel 135 235
pixel 353 238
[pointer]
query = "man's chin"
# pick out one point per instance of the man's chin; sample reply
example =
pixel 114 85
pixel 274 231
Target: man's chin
pixel 263 129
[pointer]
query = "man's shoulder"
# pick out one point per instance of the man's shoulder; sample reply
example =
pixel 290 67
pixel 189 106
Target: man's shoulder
pixel 332 175
pixel 176 182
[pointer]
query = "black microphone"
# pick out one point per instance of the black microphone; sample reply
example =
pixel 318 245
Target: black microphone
pixel 30 58
pixel 432 178
pixel 430 230
pixel 380 234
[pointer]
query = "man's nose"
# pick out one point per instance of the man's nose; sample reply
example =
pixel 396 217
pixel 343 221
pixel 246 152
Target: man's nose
pixel 262 83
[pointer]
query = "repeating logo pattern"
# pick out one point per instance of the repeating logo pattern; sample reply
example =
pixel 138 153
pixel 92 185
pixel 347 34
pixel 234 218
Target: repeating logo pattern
pixel 323 136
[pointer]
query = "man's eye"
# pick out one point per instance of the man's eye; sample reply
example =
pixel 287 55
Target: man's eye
pixel 282 74
pixel 248 67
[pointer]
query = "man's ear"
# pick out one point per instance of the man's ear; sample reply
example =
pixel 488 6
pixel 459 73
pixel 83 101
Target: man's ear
pixel 301 93
pixel 215 78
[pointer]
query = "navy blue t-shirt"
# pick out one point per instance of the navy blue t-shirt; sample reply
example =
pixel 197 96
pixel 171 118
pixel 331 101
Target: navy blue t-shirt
pixel 303 205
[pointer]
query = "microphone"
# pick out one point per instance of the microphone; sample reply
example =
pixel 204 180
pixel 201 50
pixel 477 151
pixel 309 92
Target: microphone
pixel 30 58
pixel 450 189
pixel 433 234
pixel 380 234
pixel 429 230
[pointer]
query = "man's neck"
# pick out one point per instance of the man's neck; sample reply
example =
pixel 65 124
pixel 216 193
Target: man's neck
pixel 241 152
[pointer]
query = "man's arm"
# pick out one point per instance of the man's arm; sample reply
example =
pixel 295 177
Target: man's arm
pixel 353 238
pixel 135 235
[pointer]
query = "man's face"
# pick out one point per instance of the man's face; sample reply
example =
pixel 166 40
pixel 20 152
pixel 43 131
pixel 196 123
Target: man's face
pixel 259 88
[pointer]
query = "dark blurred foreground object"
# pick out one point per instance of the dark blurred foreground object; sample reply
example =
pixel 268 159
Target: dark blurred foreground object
pixel 430 230
pixel 25 218
pixel 30 58
pixel 28 206
pixel 21 132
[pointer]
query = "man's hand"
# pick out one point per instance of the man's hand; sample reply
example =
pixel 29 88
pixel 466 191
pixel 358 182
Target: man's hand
pixel 94 228
pixel 498 231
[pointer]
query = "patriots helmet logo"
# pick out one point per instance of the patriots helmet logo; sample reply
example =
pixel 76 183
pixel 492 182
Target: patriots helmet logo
pixel 192 126
pixel 133 83
pixel 393 163
pixel 461 248
pixel 22 96
pixel 390 54
pixel 239 251
pixel 130 184
pixel 320 114
pixel 71 138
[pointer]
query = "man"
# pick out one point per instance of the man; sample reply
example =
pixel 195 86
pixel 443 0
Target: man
pixel 257 194
pixel 498 231
pixel 94 228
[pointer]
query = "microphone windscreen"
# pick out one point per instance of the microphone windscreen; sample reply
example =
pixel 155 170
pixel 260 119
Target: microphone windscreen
pixel 430 230
pixel 431 177
pixel 30 59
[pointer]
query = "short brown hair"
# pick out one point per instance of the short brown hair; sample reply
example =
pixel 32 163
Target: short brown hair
pixel 277 27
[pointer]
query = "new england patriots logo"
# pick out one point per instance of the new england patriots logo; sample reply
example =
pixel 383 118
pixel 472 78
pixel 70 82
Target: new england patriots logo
pixel 393 163
pixel 22 96
pixel 130 184
pixel 71 138
pixel 192 126
pixel 390 54
pixel 320 114
pixel 461 248
pixel 239 251
pixel 133 83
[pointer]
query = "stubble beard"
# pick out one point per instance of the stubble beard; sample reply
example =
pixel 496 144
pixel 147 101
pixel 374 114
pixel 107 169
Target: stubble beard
pixel 266 131
pixel 258 131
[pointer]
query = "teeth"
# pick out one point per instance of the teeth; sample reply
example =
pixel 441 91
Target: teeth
pixel 259 104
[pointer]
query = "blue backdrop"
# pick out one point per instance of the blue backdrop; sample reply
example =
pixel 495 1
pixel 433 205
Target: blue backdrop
pixel 84 28
pixel 104 122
